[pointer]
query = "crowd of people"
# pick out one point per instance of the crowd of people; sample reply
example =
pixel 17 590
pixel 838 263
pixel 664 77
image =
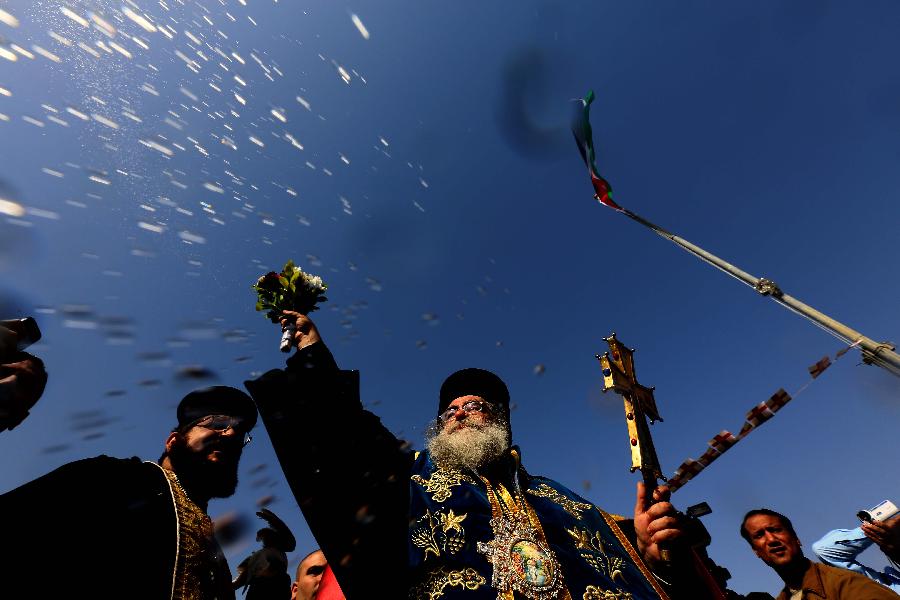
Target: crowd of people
pixel 462 518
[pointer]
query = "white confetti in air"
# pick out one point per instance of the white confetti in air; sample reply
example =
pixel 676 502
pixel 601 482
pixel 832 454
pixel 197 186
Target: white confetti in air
pixel 5 92
pixel 214 188
pixel 120 49
pixel 77 113
pixel 46 54
pixel 279 114
pixel 258 142
pixel 240 99
pixel 303 102
pixel 58 38
pixel 22 51
pixel 344 74
pixel 141 20
pixel 88 49
pixel 44 214
pixel 8 19
pixel 383 141
pixel 98 179
pixel 104 121
pixel 10 56
pixel 10 208
pixel 359 25
pixel 103 25
pixel 151 227
pixel 294 142
pixel 79 324
pixel 75 16
pixel 52 172
pixel 157 146
pixel 192 238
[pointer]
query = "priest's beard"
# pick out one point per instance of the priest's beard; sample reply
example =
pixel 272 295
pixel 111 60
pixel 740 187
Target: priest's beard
pixel 198 474
pixel 472 446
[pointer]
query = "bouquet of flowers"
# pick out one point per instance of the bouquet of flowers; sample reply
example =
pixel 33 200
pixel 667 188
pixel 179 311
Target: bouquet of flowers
pixel 292 289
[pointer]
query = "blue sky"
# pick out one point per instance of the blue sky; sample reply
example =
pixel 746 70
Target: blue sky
pixel 440 195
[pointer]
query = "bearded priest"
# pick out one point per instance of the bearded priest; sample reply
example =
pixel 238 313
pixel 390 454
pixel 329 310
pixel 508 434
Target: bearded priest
pixel 462 519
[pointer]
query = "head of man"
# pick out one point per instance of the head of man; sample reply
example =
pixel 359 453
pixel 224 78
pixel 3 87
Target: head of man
pixel 204 449
pixel 309 576
pixel 472 429
pixel 772 537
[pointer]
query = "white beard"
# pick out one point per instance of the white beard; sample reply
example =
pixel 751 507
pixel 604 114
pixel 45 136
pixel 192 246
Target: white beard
pixel 471 447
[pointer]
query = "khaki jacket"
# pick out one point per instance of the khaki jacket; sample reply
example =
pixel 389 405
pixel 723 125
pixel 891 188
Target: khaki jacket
pixel 832 583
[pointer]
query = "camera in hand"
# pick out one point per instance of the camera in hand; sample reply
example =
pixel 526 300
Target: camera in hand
pixel 880 512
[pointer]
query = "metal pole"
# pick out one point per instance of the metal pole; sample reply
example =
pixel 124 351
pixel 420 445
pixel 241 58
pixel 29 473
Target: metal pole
pixel 874 353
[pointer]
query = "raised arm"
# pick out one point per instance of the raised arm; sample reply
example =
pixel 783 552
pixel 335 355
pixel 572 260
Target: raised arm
pixel 348 473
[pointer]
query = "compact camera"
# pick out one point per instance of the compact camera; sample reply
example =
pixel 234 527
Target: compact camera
pixel 880 512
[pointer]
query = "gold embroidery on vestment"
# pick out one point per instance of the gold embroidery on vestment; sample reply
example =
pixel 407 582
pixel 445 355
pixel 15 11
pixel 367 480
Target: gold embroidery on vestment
pixel 194 544
pixel 440 482
pixel 570 506
pixel 439 580
pixel 636 559
pixel 439 531
pixel 592 592
pixel 594 551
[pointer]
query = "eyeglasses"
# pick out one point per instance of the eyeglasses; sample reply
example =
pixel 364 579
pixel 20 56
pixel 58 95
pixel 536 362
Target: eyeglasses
pixel 221 424
pixel 467 407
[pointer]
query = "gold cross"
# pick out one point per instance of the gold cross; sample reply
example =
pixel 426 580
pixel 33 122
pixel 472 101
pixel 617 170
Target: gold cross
pixel 618 375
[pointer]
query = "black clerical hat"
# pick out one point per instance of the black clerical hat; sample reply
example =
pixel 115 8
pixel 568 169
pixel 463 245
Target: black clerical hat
pixel 475 382
pixel 216 400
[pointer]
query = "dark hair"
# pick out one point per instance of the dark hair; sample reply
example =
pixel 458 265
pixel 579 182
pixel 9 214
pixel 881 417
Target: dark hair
pixel 769 513
pixel 300 564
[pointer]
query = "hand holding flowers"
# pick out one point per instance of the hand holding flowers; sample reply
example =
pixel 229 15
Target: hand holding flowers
pixel 291 290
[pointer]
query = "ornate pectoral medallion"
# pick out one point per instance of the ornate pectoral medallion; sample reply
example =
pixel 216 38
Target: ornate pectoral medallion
pixel 522 561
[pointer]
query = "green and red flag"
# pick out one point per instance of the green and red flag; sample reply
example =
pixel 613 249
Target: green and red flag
pixel 584 137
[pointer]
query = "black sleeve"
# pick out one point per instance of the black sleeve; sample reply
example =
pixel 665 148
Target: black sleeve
pixel 348 473
pixel 53 523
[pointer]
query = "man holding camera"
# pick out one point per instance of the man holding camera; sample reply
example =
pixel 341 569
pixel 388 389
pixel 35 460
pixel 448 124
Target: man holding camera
pixel 773 539
pixel 22 375
pixel 842 547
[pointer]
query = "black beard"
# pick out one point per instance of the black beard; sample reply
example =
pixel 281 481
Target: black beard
pixel 197 474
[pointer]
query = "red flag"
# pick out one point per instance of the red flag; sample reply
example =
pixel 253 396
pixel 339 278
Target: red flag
pixel 819 368
pixel 328 586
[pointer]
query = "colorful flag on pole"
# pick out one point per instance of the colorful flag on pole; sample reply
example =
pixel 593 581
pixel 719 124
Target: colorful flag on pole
pixel 584 137
pixel 819 368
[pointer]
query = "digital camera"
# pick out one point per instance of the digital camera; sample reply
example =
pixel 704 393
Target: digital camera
pixel 880 512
